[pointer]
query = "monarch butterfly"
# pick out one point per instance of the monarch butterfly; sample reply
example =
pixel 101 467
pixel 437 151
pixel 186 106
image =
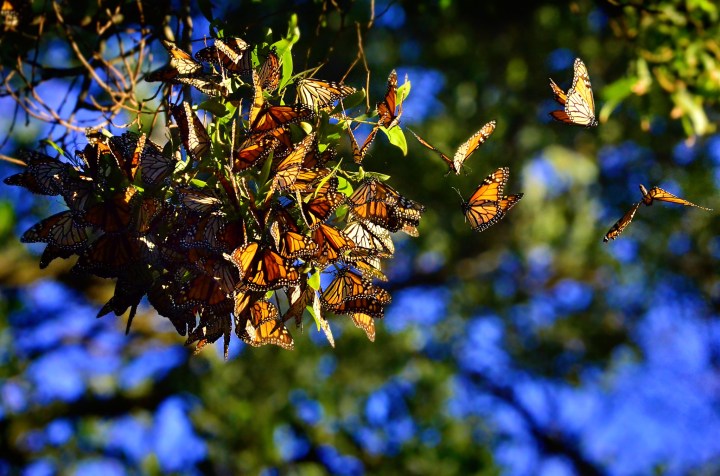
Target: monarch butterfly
pixel 622 223
pixel 42 175
pixel 202 291
pixel 264 118
pixel 308 179
pixel 262 269
pixel 110 255
pixel 579 103
pixel 318 94
pixel 61 230
pixel 378 203
pixel 181 63
pixel 226 52
pixel 315 159
pixel 359 152
pixel 288 169
pixel 253 150
pixel 205 232
pixel 465 150
pixel 269 74
pixel 193 133
pixel 389 105
pixel 487 205
pixel 198 201
pixel 144 213
pixel 371 237
pixel 655 193
pixel 294 245
pixel 347 285
pixel 113 215
pixel 210 84
pixel 366 323
pixel 127 149
pixel 351 293
pixel 322 204
pixel 332 244
pixel 155 166
pixel 263 326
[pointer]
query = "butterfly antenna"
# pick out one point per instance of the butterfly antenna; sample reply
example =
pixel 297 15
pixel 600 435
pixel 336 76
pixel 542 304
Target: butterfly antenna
pixel 459 195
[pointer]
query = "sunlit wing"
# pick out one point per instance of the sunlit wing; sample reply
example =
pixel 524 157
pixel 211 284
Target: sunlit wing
pixel 621 224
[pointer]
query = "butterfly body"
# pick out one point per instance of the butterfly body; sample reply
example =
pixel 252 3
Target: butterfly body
pixel 578 101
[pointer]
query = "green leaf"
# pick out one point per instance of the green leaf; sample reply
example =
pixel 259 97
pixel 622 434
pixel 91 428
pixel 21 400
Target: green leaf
pixel 403 92
pixel 344 186
pixel 314 280
pixel 217 108
pixel 396 136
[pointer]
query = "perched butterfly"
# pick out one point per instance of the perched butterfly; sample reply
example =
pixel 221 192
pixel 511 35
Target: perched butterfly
pixel 181 63
pixel 370 237
pixel 61 230
pixel 322 203
pixel 378 203
pixel 648 197
pixel 465 150
pixel 351 293
pixel 43 174
pixel 288 168
pixel 269 74
pixel 262 269
pixel 390 109
pixel 359 152
pixel 194 136
pixel 318 94
pixel 112 215
pixel 263 326
pixel 197 200
pixel 210 84
pixel 364 322
pixel 253 150
pixel 155 166
pixel 127 150
pixel 265 118
pixel 110 255
pixel 487 205
pixel 228 53
pixel 579 103
pixel 332 244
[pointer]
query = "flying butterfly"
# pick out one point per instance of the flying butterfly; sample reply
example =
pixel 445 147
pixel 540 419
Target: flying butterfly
pixel 579 103
pixel 192 131
pixel 648 197
pixel 487 205
pixel 319 94
pixel 265 118
pixel 465 150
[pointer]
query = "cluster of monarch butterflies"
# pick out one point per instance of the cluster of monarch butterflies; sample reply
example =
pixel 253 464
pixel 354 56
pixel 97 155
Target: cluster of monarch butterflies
pixel 234 232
